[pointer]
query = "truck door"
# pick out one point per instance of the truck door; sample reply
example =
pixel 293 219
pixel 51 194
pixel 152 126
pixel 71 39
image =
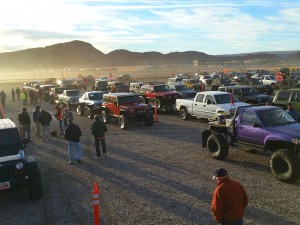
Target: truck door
pixel 210 106
pixel 199 105
pixel 248 129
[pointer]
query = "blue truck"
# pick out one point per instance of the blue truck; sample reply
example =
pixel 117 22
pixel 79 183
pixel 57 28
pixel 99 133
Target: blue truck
pixel 264 128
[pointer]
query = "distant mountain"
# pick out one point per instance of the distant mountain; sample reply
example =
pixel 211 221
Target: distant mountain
pixel 79 54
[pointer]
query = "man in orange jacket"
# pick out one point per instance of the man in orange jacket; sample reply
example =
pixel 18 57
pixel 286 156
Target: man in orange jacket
pixel 229 200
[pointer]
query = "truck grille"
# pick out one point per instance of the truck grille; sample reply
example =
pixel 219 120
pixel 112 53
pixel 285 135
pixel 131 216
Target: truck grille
pixel 7 170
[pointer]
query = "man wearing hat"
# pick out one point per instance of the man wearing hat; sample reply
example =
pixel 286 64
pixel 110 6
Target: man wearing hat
pixel 229 200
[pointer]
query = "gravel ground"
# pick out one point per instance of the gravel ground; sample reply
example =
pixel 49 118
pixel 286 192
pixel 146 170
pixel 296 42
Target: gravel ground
pixel 152 175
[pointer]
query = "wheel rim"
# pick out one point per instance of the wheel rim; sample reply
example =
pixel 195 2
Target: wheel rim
pixel 121 122
pixel 183 114
pixel 280 166
pixel 104 116
pixel 213 147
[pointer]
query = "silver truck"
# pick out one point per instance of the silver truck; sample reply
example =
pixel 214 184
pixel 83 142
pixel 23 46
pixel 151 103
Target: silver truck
pixel 69 98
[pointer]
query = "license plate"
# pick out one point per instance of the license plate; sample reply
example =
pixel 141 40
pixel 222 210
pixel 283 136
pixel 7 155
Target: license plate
pixel 4 185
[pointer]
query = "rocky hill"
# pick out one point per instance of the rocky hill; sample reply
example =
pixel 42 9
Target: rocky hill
pixel 79 54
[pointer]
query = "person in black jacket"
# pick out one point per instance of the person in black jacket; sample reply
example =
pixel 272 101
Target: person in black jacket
pixel 35 115
pixel 73 134
pixel 98 129
pixel 45 119
pixel 24 120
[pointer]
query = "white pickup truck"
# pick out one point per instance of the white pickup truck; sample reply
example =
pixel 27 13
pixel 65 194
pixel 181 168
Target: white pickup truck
pixel 208 104
pixel 269 79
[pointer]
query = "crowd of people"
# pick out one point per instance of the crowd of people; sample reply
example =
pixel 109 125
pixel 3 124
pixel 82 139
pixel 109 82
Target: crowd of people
pixel 42 120
pixel 70 131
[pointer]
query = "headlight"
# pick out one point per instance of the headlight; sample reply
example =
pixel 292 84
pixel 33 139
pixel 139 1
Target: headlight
pixel 19 165
pixel 295 141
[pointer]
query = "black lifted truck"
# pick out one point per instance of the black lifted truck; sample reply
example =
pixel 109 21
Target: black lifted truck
pixel 266 128
pixel 16 169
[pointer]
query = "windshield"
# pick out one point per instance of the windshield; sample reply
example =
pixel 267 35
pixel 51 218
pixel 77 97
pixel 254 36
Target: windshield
pixel 72 93
pixel 181 87
pixel 59 90
pixel 128 99
pixel 10 143
pixel 249 91
pixel 272 77
pixel 277 117
pixel 95 96
pixel 224 99
pixel 162 88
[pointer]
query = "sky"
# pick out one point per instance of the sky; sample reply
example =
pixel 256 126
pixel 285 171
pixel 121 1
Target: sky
pixel 214 27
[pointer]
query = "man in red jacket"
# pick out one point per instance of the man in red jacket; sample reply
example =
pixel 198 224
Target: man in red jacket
pixel 229 200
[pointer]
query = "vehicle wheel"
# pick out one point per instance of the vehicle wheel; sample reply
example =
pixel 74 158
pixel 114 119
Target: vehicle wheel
pixel 124 122
pixel 218 146
pixel 158 103
pixel 80 110
pixel 35 185
pixel 285 165
pixel 90 113
pixel 183 114
pixel 149 121
pixel 105 116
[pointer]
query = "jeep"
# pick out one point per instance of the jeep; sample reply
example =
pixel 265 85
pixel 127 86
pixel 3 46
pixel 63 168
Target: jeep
pixel 159 95
pixel 90 102
pixel 127 107
pixel 16 169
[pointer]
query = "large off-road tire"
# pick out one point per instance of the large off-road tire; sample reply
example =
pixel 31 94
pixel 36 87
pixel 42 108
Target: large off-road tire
pixel 149 121
pixel 218 146
pixel 90 113
pixel 80 110
pixel 35 185
pixel 285 165
pixel 124 122
pixel 105 116
pixel 184 114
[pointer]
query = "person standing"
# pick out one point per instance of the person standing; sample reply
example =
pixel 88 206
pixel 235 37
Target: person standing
pixel 13 94
pixel 72 135
pixel 18 92
pixel 98 129
pixel 36 113
pixel 24 120
pixel 45 119
pixel 293 113
pixel 3 98
pixel 67 114
pixel 229 200
pixel 58 115
pixel 24 97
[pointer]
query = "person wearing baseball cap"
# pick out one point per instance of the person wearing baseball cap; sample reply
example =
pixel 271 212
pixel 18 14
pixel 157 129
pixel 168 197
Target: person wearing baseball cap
pixel 229 200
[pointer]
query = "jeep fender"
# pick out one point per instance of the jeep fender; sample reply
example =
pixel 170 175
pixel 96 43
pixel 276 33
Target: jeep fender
pixel 122 112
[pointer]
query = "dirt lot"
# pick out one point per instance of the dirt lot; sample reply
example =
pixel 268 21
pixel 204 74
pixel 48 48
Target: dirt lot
pixel 152 175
